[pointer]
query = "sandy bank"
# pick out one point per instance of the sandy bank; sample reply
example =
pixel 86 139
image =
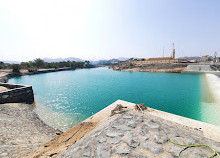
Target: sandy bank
pixel 3 89
pixel 21 131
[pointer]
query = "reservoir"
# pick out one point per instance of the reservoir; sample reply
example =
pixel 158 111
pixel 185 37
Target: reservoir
pixel 65 98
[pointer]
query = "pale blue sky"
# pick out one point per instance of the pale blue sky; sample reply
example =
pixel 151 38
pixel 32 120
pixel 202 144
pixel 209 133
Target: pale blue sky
pixel 104 29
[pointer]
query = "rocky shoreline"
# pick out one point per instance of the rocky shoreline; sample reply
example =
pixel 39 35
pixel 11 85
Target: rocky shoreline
pixel 150 67
pixel 5 76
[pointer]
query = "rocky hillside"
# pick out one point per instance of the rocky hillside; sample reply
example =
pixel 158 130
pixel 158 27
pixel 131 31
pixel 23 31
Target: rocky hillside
pixel 150 67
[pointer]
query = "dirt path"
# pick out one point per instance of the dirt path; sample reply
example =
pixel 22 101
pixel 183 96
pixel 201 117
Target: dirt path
pixel 61 143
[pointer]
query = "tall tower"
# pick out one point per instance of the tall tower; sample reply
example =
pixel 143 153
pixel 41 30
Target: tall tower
pixel 173 55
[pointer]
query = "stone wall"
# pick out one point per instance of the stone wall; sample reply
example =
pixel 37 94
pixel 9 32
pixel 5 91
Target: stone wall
pixel 16 94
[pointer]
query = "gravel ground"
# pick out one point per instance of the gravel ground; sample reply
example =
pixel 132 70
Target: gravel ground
pixel 135 135
pixel 21 131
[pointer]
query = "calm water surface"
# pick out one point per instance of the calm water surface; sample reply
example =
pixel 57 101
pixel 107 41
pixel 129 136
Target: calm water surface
pixel 66 98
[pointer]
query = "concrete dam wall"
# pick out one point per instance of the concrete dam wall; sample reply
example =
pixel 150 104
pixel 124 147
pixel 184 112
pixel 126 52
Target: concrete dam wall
pixel 201 68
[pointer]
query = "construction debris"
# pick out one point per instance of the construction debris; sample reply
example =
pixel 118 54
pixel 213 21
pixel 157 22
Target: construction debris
pixel 140 107
pixel 117 110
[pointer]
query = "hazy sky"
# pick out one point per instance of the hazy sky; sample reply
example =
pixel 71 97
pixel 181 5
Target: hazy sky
pixel 103 29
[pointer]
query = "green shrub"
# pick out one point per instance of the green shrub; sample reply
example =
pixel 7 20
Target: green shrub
pixel 39 63
pixel 16 68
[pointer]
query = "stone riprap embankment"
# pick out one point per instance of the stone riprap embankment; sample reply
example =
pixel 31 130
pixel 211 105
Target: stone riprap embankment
pixel 16 94
pixel 135 135
pixel 21 131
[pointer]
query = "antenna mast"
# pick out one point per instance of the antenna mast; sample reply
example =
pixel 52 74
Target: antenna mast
pixel 163 51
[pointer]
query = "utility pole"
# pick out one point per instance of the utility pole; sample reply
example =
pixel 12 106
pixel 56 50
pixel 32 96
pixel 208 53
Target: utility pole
pixel 215 56
pixel 173 54
pixel 163 52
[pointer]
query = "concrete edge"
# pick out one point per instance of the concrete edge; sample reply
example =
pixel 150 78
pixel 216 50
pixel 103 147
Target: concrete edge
pixel 105 113
pixel 21 85
pixel 14 89
pixel 201 72
pixel 209 131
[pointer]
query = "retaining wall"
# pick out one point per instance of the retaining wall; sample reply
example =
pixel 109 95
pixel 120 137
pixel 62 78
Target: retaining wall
pixel 16 94
pixel 200 68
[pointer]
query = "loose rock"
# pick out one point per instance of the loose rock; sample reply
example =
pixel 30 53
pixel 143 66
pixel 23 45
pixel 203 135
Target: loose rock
pixel 131 124
pixel 122 150
pixel 154 148
pixel 114 134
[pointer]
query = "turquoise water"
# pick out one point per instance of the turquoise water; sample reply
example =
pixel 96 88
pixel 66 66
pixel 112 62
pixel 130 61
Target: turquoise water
pixel 66 98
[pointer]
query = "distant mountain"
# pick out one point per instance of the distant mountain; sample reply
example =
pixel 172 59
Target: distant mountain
pixel 195 58
pixel 105 62
pixel 122 59
pixel 11 62
pixel 101 62
pixel 50 60
pixel 96 62
pixel 109 62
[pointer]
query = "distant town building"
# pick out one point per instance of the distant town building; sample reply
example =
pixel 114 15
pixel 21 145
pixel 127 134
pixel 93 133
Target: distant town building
pixel 164 58
pixel 171 59
pixel 207 58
